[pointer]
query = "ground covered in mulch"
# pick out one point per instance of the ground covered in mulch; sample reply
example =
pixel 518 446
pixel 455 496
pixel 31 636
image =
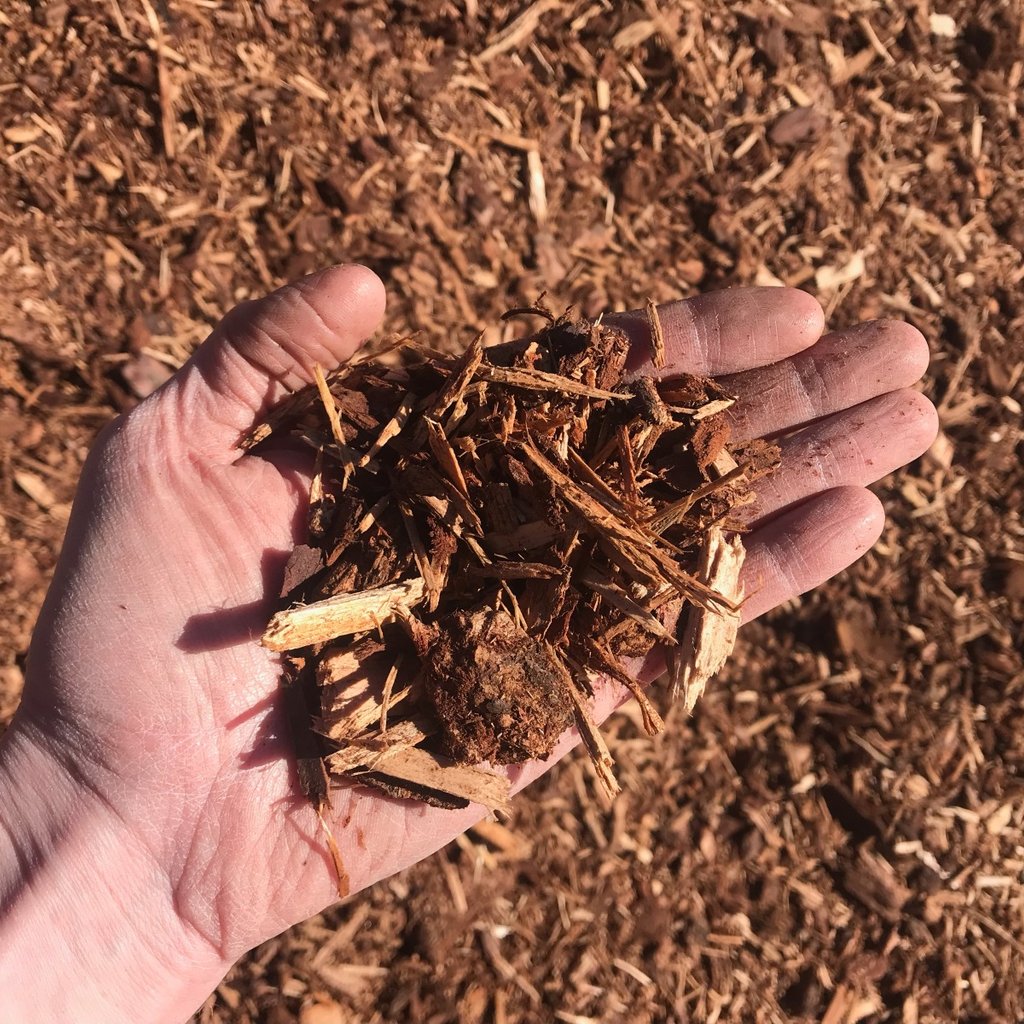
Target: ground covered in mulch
pixel 838 832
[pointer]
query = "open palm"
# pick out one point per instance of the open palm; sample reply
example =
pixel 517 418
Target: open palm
pixel 147 683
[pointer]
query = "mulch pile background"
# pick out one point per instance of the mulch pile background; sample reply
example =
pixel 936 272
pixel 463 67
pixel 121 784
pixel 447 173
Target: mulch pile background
pixel 838 832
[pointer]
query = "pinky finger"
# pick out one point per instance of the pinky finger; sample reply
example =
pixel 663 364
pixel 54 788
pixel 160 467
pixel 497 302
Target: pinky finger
pixel 808 545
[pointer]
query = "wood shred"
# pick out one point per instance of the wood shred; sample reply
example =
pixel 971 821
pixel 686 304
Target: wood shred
pixel 657 335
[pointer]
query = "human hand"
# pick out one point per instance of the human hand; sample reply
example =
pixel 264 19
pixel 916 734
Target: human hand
pixel 151 830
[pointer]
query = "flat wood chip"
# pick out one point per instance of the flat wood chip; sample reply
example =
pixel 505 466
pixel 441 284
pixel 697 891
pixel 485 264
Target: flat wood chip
pixel 710 633
pixel 467 783
pixel 343 615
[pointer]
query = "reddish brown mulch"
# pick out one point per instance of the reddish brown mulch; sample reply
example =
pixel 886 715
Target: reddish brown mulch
pixel 838 833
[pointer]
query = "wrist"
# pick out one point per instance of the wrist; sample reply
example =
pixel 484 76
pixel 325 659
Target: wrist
pixel 80 894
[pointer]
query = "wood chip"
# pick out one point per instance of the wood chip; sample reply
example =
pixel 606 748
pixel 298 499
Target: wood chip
pixel 519 30
pixel 527 537
pixel 344 615
pixel 657 335
pixel 385 700
pixel 618 598
pixel 712 408
pixel 710 633
pixel 432 587
pixel 472 785
pixel 445 455
pixel 461 375
pixel 39 491
pixel 516 571
pixel 391 429
pixel 600 756
pixel 608 663
pixel 539 380
pixel 329 404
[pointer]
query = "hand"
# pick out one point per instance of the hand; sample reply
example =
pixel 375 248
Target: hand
pixel 150 813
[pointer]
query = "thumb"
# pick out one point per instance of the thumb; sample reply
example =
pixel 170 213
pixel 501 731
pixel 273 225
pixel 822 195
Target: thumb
pixel 263 349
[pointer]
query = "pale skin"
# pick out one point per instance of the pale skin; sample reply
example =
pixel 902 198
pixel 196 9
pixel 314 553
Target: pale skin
pixel 150 826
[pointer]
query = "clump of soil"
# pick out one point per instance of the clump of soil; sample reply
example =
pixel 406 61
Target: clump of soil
pixel 499 694
pixel 486 533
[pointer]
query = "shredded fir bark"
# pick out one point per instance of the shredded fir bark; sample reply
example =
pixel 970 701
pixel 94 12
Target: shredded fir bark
pixel 487 533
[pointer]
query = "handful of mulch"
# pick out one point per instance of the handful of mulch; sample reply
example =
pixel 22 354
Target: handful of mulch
pixel 487 532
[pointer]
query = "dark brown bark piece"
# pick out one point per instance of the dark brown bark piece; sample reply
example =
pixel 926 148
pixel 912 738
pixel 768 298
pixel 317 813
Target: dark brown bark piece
pixel 301 706
pixel 303 562
pixel 709 440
